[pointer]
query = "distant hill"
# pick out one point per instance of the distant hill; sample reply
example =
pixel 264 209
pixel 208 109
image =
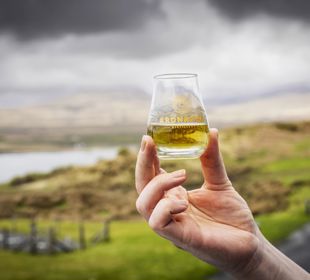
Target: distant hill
pixel 286 107
pixel 81 110
pixel 114 108
pixel 88 119
pixel 120 117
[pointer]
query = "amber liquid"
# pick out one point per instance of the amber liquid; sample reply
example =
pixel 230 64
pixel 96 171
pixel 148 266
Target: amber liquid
pixel 185 140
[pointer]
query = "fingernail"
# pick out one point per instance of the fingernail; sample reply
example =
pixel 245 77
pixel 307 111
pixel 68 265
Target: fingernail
pixel 178 173
pixel 143 143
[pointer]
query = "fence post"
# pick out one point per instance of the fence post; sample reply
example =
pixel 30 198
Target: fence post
pixel 5 238
pixel 82 240
pixel 33 237
pixel 51 240
pixel 307 207
pixel 14 224
pixel 57 225
pixel 106 231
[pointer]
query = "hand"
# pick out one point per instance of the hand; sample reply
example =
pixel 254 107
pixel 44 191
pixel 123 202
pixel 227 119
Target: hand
pixel 212 222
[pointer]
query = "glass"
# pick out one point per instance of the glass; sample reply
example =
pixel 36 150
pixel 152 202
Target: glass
pixel 177 120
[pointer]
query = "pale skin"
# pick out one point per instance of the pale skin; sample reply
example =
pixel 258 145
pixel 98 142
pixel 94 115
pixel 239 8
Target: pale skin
pixel 212 222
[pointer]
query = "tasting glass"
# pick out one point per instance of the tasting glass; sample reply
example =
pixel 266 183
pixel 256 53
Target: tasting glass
pixel 177 119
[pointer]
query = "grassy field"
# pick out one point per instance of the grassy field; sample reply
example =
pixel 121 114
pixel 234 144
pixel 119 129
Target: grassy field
pixel 268 165
pixel 134 252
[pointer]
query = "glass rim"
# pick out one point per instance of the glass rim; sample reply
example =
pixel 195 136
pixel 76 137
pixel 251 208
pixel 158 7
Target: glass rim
pixel 171 76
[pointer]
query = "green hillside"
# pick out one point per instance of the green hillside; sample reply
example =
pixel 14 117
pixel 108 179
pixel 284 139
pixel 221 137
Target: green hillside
pixel 268 164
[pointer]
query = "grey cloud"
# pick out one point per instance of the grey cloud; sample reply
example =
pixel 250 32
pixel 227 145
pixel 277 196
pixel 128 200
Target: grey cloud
pixel 239 9
pixel 232 58
pixel 47 18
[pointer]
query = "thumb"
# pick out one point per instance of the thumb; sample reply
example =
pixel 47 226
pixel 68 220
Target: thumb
pixel 212 164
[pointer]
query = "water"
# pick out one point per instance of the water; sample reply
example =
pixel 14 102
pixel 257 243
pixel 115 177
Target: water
pixel 18 164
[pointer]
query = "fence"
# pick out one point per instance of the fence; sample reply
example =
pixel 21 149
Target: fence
pixel 49 242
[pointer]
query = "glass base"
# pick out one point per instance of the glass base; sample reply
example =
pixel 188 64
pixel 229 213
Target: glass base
pixel 178 153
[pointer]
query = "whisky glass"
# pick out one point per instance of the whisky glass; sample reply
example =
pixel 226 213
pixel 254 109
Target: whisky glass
pixel 177 119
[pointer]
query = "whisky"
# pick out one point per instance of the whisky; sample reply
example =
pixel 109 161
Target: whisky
pixel 180 140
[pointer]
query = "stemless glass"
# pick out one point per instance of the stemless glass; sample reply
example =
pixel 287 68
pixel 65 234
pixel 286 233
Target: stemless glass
pixel 177 120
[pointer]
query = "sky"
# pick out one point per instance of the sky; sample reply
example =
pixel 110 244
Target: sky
pixel 239 49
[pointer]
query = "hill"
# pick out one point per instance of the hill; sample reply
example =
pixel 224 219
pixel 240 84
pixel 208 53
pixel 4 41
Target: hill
pixel 95 109
pixel 119 117
pixel 267 163
pixel 90 119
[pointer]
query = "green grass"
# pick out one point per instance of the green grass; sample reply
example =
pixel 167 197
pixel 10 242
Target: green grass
pixel 279 225
pixel 288 165
pixel 287 170
pixel 135 252
pixel 64 228
pixel 303 145
pixel 276 226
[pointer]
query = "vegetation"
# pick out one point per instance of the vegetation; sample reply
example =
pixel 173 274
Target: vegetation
pixel 268 164
pixel 134 252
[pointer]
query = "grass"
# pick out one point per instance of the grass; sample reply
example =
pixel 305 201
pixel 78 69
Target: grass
pixel 276 226
pixel 286 165
pixel 135 252
pixel 288 170
pixel 303 145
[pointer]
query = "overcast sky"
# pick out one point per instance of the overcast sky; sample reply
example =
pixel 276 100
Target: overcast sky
pixel 239 48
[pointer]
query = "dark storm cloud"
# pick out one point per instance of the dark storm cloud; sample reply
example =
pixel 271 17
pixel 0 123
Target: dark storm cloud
pixel 238 9
pixel 45 18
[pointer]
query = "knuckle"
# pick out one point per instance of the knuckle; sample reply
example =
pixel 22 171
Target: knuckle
pixel 142 208
pixel 154 225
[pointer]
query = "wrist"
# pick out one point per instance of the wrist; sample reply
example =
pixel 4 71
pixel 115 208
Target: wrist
pixel 269 263
pixel 251 260
pixel 262 264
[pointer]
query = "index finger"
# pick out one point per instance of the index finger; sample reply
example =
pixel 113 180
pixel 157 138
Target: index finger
pixel 147 166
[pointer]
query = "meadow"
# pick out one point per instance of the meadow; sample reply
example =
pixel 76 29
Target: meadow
pixel 268 164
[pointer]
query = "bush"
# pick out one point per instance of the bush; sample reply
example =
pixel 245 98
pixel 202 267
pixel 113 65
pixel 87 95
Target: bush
pixel 19 180
pixel 123 152
pixel 287 126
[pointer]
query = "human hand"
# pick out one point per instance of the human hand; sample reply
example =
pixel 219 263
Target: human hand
pixel 213 222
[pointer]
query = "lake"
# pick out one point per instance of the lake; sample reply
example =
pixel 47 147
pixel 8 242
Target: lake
pixel 18 164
